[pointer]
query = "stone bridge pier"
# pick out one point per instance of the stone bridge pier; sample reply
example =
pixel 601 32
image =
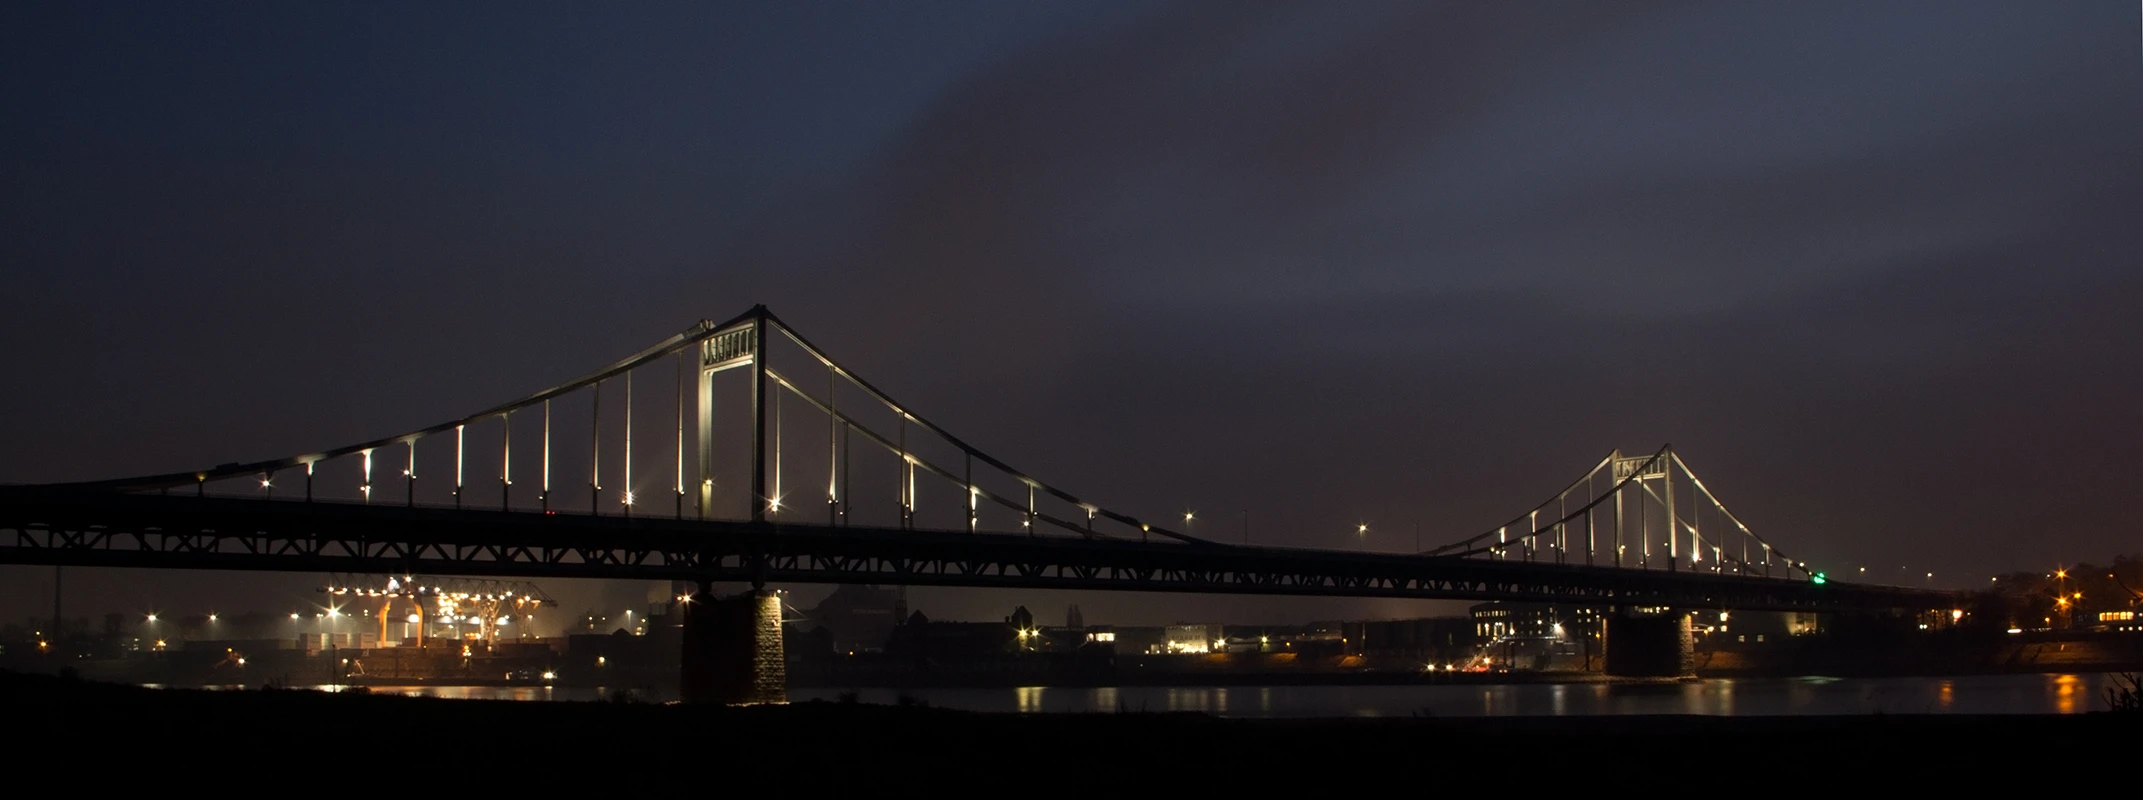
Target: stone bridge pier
pixel 1650 643
pixel 732 650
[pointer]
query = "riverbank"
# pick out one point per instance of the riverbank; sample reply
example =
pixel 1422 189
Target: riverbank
pixel 62 723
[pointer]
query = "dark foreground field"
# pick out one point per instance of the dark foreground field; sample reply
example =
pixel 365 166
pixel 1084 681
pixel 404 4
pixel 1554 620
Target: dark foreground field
pixel 122 734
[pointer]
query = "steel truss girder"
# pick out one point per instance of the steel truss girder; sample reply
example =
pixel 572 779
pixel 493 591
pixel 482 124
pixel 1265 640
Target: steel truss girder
pixel 122 530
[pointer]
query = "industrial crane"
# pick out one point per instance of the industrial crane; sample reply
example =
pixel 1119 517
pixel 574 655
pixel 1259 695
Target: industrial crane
pixel 487 604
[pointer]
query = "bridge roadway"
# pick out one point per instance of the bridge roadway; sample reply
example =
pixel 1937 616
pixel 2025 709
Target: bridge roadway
pixel 42 525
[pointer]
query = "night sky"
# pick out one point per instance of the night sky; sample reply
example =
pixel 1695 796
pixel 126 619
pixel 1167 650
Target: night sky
pixel 1872 268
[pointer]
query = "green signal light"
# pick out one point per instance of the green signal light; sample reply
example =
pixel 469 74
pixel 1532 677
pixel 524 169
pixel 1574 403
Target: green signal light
pixel 1819 579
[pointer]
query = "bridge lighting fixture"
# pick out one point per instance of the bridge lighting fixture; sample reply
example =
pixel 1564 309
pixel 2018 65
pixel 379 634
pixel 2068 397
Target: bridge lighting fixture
pixel 152 617
pixel 628 498
pixel 293 615
pixel 212 618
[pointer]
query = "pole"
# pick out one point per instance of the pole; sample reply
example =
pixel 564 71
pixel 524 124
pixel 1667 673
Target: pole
pixel 680 434
pixel 506 461
pixel 774 500
pixel 833 452
pixel 595 453
pixel 627 500
pixel 905 508
pixel 758 343
pixel 1591 532
pixel 1666 477
pixel 545 497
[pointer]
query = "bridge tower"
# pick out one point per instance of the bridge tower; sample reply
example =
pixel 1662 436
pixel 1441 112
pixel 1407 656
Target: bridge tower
pixel 732 645
pixel 738 347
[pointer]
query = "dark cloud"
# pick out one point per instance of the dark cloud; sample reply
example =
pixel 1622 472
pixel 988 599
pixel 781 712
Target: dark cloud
pixel 1870 266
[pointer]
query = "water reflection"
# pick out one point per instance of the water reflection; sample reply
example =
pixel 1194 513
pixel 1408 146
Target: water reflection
pixel 2065 691
pixel 1987 694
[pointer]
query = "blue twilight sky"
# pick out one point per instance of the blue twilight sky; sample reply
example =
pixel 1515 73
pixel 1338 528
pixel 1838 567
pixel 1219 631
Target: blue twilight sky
pixel 1872 267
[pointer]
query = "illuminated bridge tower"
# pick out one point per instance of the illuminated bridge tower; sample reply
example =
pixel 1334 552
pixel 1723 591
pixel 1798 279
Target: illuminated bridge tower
pixel 732 645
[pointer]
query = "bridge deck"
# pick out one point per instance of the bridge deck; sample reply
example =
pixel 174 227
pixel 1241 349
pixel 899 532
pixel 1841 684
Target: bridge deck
pixel 124 530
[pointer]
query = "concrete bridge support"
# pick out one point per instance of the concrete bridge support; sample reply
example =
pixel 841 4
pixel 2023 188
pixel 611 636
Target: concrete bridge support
pixel 732 650
pixel 1650 644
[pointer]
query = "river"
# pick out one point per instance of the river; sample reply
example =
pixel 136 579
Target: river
pixel 1979 694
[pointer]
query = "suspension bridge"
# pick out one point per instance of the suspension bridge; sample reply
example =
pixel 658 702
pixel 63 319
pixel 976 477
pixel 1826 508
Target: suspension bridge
pixel 837 482
pixel 1634 530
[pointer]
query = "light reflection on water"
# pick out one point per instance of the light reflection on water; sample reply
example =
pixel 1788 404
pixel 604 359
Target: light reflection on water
pixel 1986 694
